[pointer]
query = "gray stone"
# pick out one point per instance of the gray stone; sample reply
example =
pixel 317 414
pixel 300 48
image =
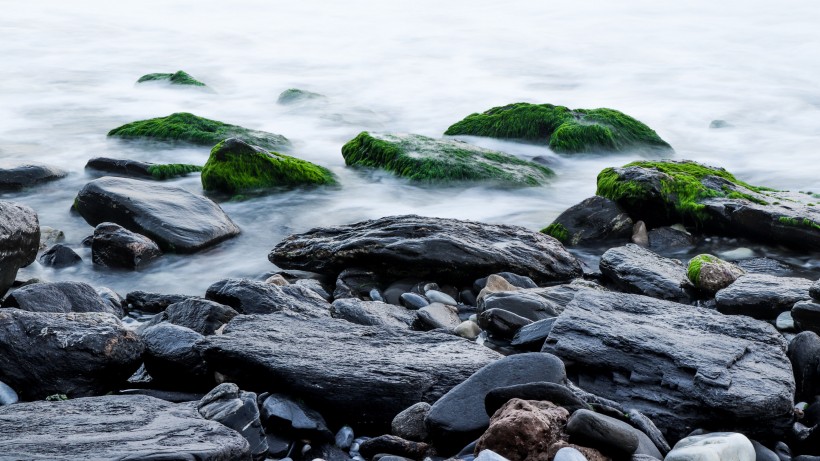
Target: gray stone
pixel 286 416
pixel 499 323
pixel 556 393
pixel 515 280
pixel 437 315
pixel 237 410
pixel 784 321
pixel 344 438
pixel 152 302
pixel 489 455
pixel 467 329
pixel 603 433
pixel 201 315
pixel 115 246
pixel 18 175
pixel 7 395
pixel 638 270
pixel 569 454
pixel 814 290
pixel 171 359
pixel 532 336
pixel 710 274
pixel 804 354
pixel 59 297
pixel 645 425
pixel 373 313
pixel 593 220
pixel 666 239
pixel 413 301
pixel 436 296
pixel 409 424
pixel 640 236
pixel 720 446
pixel 19 241
pixel 806 315
pixel 762 296
pixel 252 297
pixel 59 256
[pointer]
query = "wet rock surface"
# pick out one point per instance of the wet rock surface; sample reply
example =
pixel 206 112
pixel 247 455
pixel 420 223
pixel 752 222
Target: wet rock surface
pixel 251 297
pixel 373 313
pixel 63 297
pixel 638 270
pixel 19 240
pixel 17 175
pixel 762 296
pixel 115 246
pixel 593 220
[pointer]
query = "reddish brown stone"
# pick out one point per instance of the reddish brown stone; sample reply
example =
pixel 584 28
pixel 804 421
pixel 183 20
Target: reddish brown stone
pixel 524 430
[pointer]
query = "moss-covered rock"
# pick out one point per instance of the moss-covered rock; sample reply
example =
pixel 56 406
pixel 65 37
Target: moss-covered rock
pixel 595 219
pixel 424 159
pixel 295 96
pixel 565 130
pixel 137 169
pixel 177 78
pixel 711 199
pixel 709 273
pixel 236 166
pixel 186 127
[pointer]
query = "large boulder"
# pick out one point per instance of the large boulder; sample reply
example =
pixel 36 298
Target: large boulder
pixel 171 359
pixel 683 366
pixel 141 170
pixel 593 220
pixel 78 355
pixel 62 297
pixel 637 270
pixel 668 192
pixel 443 249
pixel 186 127
pixel 176 219
pixel 179 77
pixel 252 297
pixel 17 175
pixel 115 427
pixel 19 241
pixel 565 130
pixel 424 159
pixel 762 296
pixel 356 374
pixel 236 166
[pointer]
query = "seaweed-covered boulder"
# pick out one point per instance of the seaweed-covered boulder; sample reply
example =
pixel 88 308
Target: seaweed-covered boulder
pixel 176 219
pixel 564 130
pixel 593 220
pixel 424 159
pixel 439 248
pixel 668 192
pixel 296 96
pixel 709 273
pixel 17 175
pixel 177 78
pixel 19 241
pixel 236 166
pixel 142 170
pixel 186 127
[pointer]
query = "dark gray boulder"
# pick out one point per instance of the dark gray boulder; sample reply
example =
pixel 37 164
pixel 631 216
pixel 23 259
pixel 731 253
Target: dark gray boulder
pixel 115 427
pixel 637 270
pixel 459 417
pixel 17 175
pixel 683 366
pixel 356 374
pixel 237 410
pixel 814 291
pixel 171 359
pixel 141 170
pixel 373 313
pixel 762 296
pixel 806 315
pixel 76 354
pixel 176 219
pixel 59 256
pixel 609 435
pixel 532 303
pixel 61 297
pixel 499 323
pixel 443 249
pixel 252 297
pixel 532 336
pixel 291 419
pixel 115 246
pixel 409 424
pixel 593 220
pixel 437 315
pixel 804 353
pixel 201 315
pixel 19 241
pixel 555 393
pixel 667 238
pixel 152 302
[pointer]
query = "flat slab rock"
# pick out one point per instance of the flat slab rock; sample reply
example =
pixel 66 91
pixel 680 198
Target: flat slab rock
pixel 762 296
pixel 361 375
pixel 176 219
pixel 638 270
pixel 444 249
pixel 683 366
pixel 122 427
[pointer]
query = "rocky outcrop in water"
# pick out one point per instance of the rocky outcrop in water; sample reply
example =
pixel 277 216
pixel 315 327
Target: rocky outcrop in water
pixel 140 170
pixel 179 77
pixel 18 175
pixel 19 240
pixel 595 219
pixel 115 246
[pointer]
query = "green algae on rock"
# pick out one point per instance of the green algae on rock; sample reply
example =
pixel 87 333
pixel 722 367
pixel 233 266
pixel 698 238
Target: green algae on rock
pixel 137 169
pixel 177 78
pixel 236 166
pixel 186 127
pixel 424 159
pixel 557 231
pixel 295 95
pixel 710 274
pixel 565 130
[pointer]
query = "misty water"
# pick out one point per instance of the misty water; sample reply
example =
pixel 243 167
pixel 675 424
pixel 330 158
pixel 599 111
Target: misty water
pixel 69 71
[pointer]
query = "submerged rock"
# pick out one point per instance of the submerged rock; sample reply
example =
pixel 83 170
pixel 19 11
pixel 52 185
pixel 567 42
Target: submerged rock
pixel 236 166
pixel 119 427
pixel 142 170
pixel 176 219
pixel 17 175
pixel 667 192
pixel 424 159
pixel 177 78
pixel 19 241
pixel 296 96
pixel 638 270
pixel 115 246
pixel 187 127
pixel 444 249
pixel 564 130
pixel 593 220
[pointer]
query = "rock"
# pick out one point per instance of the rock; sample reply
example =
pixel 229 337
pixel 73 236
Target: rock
pixel 185 127
pixel 715 124
pixel 293 96
pixel 762 453
pixel 595 219
pixel 200 315
pixel 459 417
pixel 645 425
pixel 19 241
pixel 502 324
pixel 447 249
pixel 176 219
pixel 237 410
pixel 15 175
pixel 177 78
pixel 373 313
pixel 542 391
pixel 496 282
pixel 316 287
pixel 467 330
pixel 814 290
pixel 569 454
pixel 151 302
pixel 532 336
pixel 61 297
pixel 395 446
pixel 344 438
pixel 804 354
pixel 783 452
pixel 355 283
pixel 603 433
pixel 665 239
pixel 251 297
pixel 590 454
pixel 50 236
pixel 683 366
pixel 712 199
pixel 76 354
pixel 171 359
pixel 720 446
pixel 806 315
pixel 531 303
pixel 290 418
pixel 413 301
pixel 427 160
pixel 357 374
pixel 277 279
pixel 409 424
pixel 638 270
pixel 566 131
pixel 762 296
pixel 640 236
pixel 123 427
pixel 59 256
pixel 235 166
pixel 140 170
pixel 489 455
pixel 436 296
pixel 116 246
pixel 524 430
pixel 710 274
pixel 784 321
pixel 7 395
pixel 435 316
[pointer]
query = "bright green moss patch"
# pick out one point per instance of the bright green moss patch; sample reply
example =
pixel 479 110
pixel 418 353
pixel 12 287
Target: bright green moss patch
pixel 177 78
pixel 295 95
pixel 564 130
pixel 805 222
pixel 235 166
pixel 172 170
pixel 558 231
pixel 693 271
pixel 187 127
pixel 424 159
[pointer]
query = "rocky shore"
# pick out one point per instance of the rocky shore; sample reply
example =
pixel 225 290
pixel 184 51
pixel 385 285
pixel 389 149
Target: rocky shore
pixel 418 338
